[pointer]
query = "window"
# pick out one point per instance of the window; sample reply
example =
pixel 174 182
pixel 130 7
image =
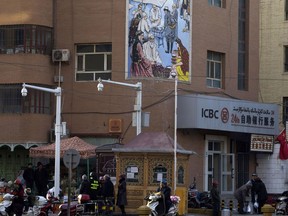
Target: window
pixel 180 177
pixel 25 39
pixel 217 3
pixel 285 58
pixel 285 110
pixel 132 174
pixel 11 100
pixel 93 61
pixel 159 173
pixel 214 69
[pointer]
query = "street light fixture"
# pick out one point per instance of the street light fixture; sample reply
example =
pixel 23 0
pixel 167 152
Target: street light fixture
pixel 175 134
pixel 57 93
pixel 137 106
pixel 175 77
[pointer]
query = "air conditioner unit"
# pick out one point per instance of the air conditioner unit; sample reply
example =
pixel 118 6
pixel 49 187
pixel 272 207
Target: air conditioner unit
pixel 60 55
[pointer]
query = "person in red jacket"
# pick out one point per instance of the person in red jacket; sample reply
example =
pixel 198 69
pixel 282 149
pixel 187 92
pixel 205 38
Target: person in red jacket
pixel 17 205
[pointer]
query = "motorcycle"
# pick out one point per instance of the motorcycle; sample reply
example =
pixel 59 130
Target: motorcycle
pixel 198 199
pixel 100 206
pixel 75 209
pixel 40 206
pixel 157 205
pixel 282 204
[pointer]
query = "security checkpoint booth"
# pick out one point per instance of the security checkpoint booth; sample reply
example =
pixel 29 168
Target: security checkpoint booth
pixel 148 159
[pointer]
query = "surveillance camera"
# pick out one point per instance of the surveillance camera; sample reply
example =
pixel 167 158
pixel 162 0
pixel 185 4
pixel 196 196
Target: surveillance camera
pixel 100 86
pixel 173 74
pixel 24 92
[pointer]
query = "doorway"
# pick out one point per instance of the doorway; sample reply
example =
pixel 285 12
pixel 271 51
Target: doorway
pixel 219 165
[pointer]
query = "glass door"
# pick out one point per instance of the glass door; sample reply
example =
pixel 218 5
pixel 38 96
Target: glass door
pixel 227 173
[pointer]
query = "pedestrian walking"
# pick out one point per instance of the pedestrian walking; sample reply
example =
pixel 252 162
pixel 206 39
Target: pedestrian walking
pixel 41 180
pixel 214 192
pixel 241 194
pixel 95 188
pixel 122 195
pixel 85 185
pixel 259 194
pixel 108 189
pixel 28 176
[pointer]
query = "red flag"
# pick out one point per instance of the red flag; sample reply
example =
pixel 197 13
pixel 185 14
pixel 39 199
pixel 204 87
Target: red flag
pixel 283 153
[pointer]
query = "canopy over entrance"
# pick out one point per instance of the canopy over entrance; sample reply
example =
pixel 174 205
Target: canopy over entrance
pixel 85 149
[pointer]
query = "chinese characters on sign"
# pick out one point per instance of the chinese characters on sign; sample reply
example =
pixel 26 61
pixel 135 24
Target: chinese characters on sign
pixel 252 117
pixel 261 143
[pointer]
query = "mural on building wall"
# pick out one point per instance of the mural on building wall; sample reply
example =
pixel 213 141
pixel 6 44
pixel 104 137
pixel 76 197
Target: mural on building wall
pixel 159 39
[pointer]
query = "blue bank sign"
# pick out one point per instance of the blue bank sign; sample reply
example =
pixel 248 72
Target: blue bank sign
pixel 217 113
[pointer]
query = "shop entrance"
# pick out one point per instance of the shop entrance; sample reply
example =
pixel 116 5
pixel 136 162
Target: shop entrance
pixel 219 165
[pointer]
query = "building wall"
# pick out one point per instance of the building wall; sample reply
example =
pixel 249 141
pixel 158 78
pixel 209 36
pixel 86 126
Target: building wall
pixel 217 23
pixel 87 111
pixel 32 12
pixel 273 85
pixel 273 171
pixel 273 37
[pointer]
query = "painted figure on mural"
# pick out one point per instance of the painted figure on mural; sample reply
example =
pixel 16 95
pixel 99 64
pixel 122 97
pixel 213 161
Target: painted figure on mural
pixel 169 29
pixel 181 61
pixel 161 23
pixel 174 15
pixel 140 66
pixel 137 16
pixel 185 14
pixel 150 49
pixel 155 16
pixel 143 25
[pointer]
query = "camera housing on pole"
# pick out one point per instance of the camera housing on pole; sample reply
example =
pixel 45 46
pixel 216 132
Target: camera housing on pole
pixel 57 92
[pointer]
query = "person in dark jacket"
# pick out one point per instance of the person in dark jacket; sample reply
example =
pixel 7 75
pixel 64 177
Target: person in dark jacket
pixel 95 188
pixel 41 180
pixel 166 191
pixel 28 176
pixel 214 192
pixel 258 191
pixel 108 188
pixel 122 195
pixel 85 185
pixel 241 194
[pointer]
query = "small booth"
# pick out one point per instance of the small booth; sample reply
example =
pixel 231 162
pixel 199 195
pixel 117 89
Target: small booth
pixel 148 159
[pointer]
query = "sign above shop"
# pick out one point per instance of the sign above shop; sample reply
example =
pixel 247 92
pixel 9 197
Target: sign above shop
pixel 225 114
pixel 262 143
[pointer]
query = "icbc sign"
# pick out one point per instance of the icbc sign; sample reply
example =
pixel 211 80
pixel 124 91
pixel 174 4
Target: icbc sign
pixel 214 114
pixel 210 113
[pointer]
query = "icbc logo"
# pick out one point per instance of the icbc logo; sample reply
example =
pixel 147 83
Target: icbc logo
pixel 224 115
pixel 210 113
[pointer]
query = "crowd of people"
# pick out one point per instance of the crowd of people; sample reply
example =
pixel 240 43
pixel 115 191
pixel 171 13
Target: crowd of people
pixel 254 192
pixel 103 188
pixel 34 182
pixel 22 189
pixel 259 195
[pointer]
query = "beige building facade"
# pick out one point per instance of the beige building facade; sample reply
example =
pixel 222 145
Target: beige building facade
pixel 72 43
pixel 272 80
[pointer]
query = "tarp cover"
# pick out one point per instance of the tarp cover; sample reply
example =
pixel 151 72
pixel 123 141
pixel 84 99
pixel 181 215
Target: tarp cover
pixel 85 149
